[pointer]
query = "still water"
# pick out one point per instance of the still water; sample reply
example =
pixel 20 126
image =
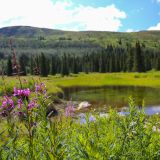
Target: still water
pixel 117 97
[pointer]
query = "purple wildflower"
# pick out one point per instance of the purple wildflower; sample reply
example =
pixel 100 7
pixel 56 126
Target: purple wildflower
pixel 26 92
pixel 31 104
pixel 69 111
pixel 15 91
pixel 84 118
pixel 21 92
pixel 41 88
pixel 7 103
pixel 92 118
pixel 20 103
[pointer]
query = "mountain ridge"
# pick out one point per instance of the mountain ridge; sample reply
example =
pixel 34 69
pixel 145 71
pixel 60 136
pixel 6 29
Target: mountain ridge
pixel 29 31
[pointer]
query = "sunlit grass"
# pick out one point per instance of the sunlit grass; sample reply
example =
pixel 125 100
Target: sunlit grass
pixel 54 83
pixel 37 136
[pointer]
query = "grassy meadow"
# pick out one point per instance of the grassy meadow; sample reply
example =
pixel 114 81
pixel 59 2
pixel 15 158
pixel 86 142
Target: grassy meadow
pixel 27 132
pixel 56 83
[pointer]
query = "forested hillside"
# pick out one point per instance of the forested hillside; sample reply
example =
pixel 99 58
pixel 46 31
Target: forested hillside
pixel 48 51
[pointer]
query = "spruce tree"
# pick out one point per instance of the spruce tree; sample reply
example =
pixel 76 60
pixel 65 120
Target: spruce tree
pixel 22 65
pixel 9 66
pixel 75 68
pixel 129 62
pixel 53 65
pixel 43 67
pixel 31 66
pixel 64 66
pixel 138 59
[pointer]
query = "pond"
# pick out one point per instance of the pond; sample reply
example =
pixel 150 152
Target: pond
pixel 102 98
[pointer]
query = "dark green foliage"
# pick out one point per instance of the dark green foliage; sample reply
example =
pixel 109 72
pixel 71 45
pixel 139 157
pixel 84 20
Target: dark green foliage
pixel 64 65
pixel 31 65
pixel 9 66
pixel 53 65
pixel 109 59
pixel 75 65
pixel 102 62
pixel 43 65
pixel 84 51
pixel 157 67
pixel 138 59
pixel 22 63
pixel 130 59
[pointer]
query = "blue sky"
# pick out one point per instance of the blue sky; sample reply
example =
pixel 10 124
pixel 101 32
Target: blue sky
pixel 107 15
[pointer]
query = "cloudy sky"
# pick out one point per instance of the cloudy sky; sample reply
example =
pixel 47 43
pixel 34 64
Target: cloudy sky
pixel 102 15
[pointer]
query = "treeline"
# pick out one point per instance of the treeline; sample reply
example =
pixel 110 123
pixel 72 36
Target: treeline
pixel 111 59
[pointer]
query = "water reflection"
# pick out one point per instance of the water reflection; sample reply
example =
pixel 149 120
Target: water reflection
pixel 103 97
pixel 152 110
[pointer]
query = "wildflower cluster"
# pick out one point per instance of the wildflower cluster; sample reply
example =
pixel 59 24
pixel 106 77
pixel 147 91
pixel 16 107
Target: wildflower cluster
pixel 22 92
pixel 69 110
pixel 7 103
pixel 7 106
pixel 19 102
pixel 40 89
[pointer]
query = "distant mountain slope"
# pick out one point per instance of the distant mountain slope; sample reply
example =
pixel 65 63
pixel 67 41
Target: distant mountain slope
pixel 27 31
pixel 27 40
pixel 84 48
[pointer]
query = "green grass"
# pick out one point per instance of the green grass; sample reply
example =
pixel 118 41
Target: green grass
pixel 35 136
pixel 134 136
pixel 151 79
pixel 55 83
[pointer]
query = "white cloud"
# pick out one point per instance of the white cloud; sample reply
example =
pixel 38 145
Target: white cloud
pixel 157 27
pixel 129 30
pixel 45 13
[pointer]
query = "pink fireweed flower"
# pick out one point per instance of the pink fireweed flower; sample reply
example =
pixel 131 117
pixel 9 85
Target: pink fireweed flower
pixel 15 91
pixel 26 92
pixel 7 103
pixel 69 111
pixel 22 92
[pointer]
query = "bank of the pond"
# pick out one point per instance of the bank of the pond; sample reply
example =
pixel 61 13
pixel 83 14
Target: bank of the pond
pixel 56 83
pixel 150 79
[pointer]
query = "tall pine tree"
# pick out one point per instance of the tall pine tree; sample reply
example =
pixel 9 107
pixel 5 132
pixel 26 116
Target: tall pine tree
pixel 138 65
pixel 9 66
pixel 31 66
pixel 64 66
pixel 22 65
pixel 53 65
pixel 43 66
